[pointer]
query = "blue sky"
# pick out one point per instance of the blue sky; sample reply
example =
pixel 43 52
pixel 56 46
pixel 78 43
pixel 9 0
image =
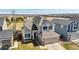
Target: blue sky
pixel 39 11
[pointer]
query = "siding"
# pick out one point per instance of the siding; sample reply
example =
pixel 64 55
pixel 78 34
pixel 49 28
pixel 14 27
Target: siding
pixel 26 31
pixel 61 31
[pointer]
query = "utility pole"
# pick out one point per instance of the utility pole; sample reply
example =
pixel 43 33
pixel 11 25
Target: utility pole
pixel 13 12
pixel 14 24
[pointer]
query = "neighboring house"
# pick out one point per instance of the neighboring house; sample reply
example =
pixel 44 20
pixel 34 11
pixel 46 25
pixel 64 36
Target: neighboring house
pixel 40 30
pixel 67 28
pixel 27 30
pixel 6 38
pixel 6 35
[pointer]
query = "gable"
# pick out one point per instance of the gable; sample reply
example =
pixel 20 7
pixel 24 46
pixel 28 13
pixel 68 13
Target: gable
pixel 46 23
pixel 34 27
pixel 26 30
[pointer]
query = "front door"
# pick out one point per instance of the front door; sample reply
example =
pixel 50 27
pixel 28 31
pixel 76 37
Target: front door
pixel 35 34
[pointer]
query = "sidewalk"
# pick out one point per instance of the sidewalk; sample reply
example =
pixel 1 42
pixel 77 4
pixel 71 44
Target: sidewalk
pixel 54 46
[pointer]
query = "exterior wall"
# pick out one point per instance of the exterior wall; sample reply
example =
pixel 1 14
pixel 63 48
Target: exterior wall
pixel 0 44
pixel 73 33
pixel 4 27
pixel 23 34
pixel 40 39
pixel 7 42
pixel 12 41
pixel 47 24
pixel 61 29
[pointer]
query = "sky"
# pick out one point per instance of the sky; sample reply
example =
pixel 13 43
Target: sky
pixel 38 11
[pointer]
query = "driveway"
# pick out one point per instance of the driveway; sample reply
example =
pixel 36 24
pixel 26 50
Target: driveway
pixel 15 45
pixel 54 46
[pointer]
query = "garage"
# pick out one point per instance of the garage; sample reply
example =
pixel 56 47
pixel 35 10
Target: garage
pixel 49 38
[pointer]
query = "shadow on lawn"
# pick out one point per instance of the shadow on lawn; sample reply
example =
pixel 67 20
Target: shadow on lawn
pixel 33 42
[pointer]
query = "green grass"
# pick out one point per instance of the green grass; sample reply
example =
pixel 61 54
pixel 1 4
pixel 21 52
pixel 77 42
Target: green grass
pixel 71 46
pixel 28 46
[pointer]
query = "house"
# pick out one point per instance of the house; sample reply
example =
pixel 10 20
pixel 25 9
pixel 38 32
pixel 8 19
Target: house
pixel 67 28
pixel 27 30
pixel 6 38
pixel 40 30
pixel 6 35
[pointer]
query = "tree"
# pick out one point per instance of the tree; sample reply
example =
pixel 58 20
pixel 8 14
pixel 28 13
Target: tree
pixel 12 19
pixel 19 19
pixel 8 21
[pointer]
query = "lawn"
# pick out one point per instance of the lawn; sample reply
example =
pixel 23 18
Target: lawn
pixel 28 46
pixel 70 46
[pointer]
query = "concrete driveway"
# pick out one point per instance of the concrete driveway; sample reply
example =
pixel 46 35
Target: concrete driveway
pixel 54 46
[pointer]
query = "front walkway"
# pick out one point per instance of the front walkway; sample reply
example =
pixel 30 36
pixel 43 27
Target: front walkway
pixel 53 46
pixel 15 45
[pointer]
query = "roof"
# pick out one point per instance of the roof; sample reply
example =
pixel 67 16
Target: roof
pixel 46 21
pixel 49 34
pixel 6 34
pixel 64 21
pixel 29 23
pixel 25 29
pixel 1 21
pixel 37 20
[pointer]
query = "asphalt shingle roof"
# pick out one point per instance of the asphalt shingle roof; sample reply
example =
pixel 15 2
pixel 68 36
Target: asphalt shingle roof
pixel 64 21
pixel 37 20
pixel 29 23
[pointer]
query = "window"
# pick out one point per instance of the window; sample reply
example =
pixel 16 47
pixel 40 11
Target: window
pixel 75 26
pixel 45 28
pixel 50 27
pixel 27 35
pixel 68 28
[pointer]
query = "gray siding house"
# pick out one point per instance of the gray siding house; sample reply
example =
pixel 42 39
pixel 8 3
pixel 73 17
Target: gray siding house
pixel 41 30
pixel 27 30
pixel 6 35
pixel 67 28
